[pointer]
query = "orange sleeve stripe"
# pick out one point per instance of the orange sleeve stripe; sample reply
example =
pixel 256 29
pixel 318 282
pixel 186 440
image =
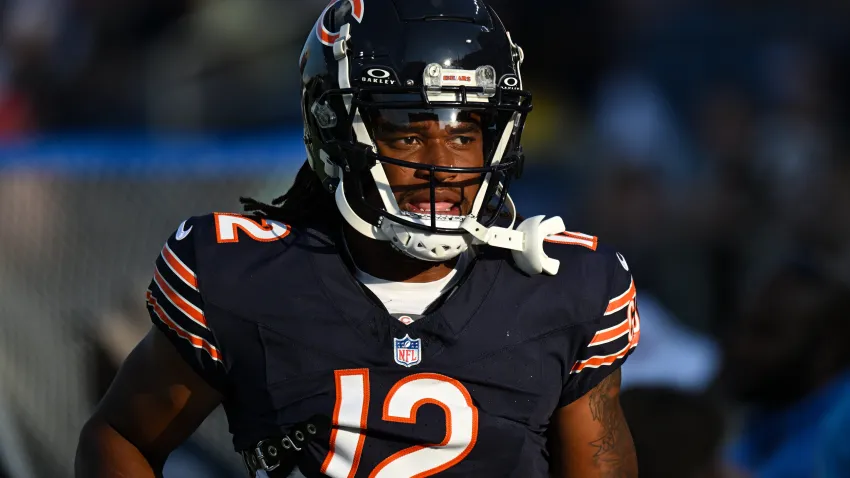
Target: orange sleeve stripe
pixel 603 360
pixel 180 269
pixel 189 309
pixel 197 342
pixel 612 333
pixel 622 300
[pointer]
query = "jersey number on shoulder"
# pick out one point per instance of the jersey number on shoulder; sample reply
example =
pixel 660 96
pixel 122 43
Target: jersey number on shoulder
pixel 400 405
pixel 227 227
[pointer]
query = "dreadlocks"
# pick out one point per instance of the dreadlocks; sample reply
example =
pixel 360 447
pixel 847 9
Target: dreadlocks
pixel 305 200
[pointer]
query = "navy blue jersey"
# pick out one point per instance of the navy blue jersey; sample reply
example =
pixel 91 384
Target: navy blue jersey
pixel 272 317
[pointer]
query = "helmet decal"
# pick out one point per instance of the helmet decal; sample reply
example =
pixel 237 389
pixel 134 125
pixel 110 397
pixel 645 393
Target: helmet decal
pixel 328 37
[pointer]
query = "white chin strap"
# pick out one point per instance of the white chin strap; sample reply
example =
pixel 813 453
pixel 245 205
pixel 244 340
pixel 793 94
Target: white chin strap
pixel 525 242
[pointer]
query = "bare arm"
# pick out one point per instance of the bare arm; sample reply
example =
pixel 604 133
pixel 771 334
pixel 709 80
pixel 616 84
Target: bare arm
pixel 590 437
pixel 155 403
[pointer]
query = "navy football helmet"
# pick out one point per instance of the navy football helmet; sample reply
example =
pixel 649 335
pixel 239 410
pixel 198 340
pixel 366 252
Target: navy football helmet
pixel 376 62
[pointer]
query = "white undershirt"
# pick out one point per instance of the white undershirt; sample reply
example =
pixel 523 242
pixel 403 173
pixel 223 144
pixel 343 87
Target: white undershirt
pixel 408 297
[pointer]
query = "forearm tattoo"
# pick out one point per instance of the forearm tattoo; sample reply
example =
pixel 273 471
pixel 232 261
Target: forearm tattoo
pixel 614 450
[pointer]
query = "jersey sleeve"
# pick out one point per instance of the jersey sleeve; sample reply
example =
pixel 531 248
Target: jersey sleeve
pixel 602 345
pixel 176 306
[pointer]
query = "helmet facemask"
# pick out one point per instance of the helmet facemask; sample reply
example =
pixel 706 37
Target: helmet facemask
pixel 452 163
pixel 433 171
pixel 464 129
pixel 447 151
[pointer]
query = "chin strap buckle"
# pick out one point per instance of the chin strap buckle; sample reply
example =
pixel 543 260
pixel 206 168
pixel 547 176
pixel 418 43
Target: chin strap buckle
pixel 525 242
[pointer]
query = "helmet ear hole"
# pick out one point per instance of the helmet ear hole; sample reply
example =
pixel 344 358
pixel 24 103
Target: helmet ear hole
pixel 324 115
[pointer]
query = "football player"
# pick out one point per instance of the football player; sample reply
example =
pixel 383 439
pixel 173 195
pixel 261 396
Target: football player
pixel 385 317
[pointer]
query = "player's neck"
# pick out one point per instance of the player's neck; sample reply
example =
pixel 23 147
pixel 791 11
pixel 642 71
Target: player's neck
pixel 379 259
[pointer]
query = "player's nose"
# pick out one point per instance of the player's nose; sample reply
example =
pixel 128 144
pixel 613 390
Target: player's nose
pixel 437 154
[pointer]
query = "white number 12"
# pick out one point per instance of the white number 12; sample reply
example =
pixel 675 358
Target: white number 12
pixel 400 405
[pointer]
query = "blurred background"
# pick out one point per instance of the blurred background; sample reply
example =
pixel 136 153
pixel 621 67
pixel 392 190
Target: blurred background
pixel 706 139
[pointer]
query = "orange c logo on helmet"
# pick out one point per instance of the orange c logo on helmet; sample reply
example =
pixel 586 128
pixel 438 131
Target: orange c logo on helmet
pixel 328 37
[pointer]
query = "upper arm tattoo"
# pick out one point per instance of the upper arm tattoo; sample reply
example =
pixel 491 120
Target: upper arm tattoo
pixel 614 451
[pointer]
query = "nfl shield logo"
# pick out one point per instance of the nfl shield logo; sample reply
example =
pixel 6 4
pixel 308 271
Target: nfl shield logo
pixel 408 352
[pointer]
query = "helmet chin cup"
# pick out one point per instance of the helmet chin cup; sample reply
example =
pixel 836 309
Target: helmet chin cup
pixel 424 246
pixel 532 259
pixel 417 244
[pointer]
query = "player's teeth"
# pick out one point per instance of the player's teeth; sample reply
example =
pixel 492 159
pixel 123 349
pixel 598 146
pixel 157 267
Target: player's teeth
pixel 424 208
pixel 439 207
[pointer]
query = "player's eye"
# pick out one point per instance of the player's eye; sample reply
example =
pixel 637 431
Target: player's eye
pixel 462 140
pixel 405 142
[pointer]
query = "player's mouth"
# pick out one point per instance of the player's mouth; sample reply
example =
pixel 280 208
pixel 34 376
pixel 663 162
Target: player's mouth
pixel 442 208
pixel 445 204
